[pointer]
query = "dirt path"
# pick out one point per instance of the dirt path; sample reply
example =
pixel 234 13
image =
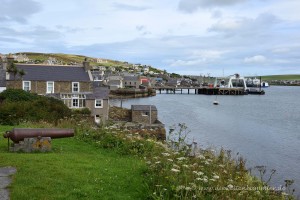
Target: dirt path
pixel 5 180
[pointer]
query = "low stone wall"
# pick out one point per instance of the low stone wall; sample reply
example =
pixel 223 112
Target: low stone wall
pixel 157 131
pixel 131 93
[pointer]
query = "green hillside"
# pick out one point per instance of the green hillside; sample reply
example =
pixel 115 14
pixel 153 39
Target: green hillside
pixel 281 77
pixel 71 59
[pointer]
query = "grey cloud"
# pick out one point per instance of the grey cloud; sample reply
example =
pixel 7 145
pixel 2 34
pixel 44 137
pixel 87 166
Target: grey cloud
pixel 190 6
pixel 263 24
pixel 130 7
pixel 19 11
pixel 68 28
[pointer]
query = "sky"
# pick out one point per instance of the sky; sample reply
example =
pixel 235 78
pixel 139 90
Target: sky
pixel 190 37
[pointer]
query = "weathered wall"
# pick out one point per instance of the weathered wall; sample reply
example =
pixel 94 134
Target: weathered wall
pixel 40 87
pixel 103 112
pixel 141 117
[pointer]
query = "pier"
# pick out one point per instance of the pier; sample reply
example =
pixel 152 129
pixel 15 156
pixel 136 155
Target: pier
pixel 202 90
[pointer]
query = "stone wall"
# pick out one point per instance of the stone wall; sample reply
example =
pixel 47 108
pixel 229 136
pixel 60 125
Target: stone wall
pixel 144 116
pixel 40 87
pixel 102 112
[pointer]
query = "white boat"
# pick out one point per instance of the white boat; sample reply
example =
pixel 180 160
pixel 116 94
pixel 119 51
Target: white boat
pixel 264 84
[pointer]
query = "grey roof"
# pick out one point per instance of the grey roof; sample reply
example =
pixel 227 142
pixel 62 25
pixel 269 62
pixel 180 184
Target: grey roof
pixel 2 78
pixel 131 78
pixel 143 108
pixel 99 93
pixel 53 73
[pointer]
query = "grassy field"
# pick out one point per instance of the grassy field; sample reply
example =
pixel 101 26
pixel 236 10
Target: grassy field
pixel 281 77
pixel 74 170
pixel 68 58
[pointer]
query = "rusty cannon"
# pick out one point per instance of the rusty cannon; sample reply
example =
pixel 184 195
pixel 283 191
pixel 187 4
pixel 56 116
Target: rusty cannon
pixel 35 139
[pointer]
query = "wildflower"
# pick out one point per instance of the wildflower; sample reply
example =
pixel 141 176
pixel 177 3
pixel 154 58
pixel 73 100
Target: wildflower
pixel 165 154
pixel 206 162
pixel 205 180
pixel 158 185
pixel 221 166
pixel 188 189
pixel 175 170
pixel 175 166
pixel 181 158
pixel 216 177
pixel 165 189
pixel 201 157
pixel 170 160
pixel 186 166
pixel 212 179
pixel 148 162
pixel 199 179
pixel 198 173
pixel 157 162
pixel 230 186
pixel 180 187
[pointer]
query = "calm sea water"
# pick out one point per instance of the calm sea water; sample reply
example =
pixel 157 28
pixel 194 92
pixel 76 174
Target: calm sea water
pixel 263 129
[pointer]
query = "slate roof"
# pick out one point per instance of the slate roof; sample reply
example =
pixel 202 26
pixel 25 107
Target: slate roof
pixel 53 73
pixel 99 93
pixel 131 78
pixel 2 78
pixel 143 108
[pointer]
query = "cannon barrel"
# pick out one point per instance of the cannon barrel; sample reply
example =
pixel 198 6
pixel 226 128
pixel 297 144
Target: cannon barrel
pixel 18 134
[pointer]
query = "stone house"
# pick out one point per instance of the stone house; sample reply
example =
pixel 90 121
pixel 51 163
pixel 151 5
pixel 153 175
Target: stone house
pixel 114 82
pixel 72 84
pixel 146 114
pixel 132 81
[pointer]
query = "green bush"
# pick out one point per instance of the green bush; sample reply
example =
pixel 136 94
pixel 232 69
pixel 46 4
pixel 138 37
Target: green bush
pixel 15 95
pixel 19 106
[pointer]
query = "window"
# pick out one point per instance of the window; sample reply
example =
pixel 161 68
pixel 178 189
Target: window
pixel 75 103
pixel 74 100
pixel 75 86
pixel 26 85
pixel 98 103
pixel 50 87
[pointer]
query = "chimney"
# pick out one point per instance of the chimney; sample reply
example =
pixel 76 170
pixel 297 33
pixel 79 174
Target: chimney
pixel 86 65
pixel 9 60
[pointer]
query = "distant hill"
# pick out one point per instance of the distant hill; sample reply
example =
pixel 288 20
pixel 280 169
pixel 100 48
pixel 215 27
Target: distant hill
pixel 281 77
pixel 70 58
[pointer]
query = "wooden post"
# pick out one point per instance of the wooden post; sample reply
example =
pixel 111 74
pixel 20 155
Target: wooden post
pixel 181 90
pixel 188 91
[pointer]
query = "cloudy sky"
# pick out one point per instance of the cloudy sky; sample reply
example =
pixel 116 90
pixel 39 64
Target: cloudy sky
pixel 250 37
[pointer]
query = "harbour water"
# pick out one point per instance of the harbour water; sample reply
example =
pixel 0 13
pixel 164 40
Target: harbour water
pixel 264 129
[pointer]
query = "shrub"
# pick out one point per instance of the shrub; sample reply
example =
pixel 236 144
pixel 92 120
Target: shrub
pixel 19 106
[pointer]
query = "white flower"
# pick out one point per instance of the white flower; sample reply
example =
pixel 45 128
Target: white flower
pixel 180 187
pixel 148 162
pixel 175 170
pixel 216 177
pixel 181 158
pixel 165 154
pixel 176 166
pixel 230 186
pixel 205 180
pixel 188 188
pixel 157 162
pixel 170 160
pixel 212 179
pixel 186 166
pixel 201 157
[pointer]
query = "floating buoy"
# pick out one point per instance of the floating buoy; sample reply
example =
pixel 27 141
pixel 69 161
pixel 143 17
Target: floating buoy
pixel 216 103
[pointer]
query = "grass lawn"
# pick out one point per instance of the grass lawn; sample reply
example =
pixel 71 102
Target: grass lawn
pixel 281 77
pixel 74 170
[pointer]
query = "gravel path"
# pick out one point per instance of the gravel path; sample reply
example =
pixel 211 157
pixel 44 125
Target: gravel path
pixel 5 180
